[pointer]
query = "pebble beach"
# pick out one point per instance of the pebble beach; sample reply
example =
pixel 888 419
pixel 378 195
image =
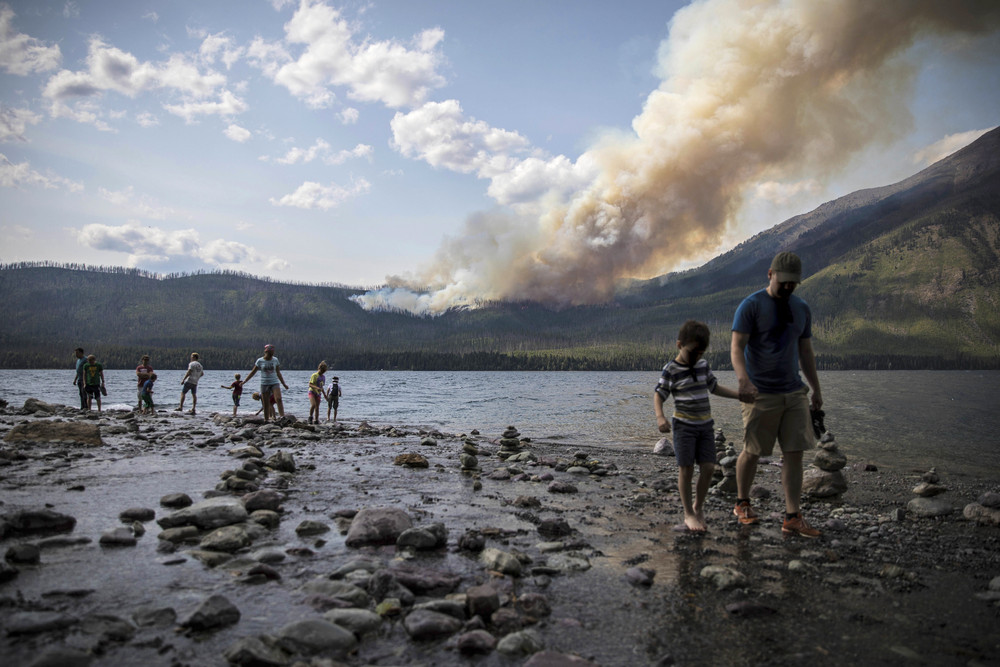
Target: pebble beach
pixel 172 539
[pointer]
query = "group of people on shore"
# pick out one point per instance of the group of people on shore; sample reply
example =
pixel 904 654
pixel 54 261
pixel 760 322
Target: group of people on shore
pixel 89 379
pixel 771 341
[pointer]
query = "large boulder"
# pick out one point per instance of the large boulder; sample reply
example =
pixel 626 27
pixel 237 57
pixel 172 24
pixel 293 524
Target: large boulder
pixel 52 431
pixel 988 516
pixel 822 483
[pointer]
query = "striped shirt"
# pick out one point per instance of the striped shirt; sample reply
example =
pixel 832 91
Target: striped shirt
pixel 690 386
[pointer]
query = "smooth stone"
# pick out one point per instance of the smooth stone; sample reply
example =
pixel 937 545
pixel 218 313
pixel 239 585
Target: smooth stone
pixel 482 600
pixel 34 622
pixel 476 641
pixel 823 483
pixel 265 499
pixel 176 500
pixel 380 525
pixel 358 621
pixel 928 507
pixel 153 616
pixel 568 562
pixel 411 460
pixel 55 431
pixel 36 521
pixel 830 460
pixel 137 514
pixel 523 642
pixel 501 561
pixel 987 516
pixel 254 652
pixel 227 538
pixel 214 612
pixel 340 590
pixel 310 527
pixel 640 576
pixel 208 514
pixel 312 636
pixel 723 578
pixel 561 487
pixel 928 490
pixel 119 537
pixel 426 624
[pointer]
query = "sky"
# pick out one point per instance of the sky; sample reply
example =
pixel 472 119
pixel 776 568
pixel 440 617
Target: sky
pixel 446 152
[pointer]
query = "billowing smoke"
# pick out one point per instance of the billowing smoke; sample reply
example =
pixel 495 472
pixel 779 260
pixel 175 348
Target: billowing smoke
pixel 751 91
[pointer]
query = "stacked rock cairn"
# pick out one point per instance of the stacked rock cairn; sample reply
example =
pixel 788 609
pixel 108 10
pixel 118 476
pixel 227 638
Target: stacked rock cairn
pixel 928 502
pixel 510 444
pixel 725 454
pixel 469 456
pixel 825 479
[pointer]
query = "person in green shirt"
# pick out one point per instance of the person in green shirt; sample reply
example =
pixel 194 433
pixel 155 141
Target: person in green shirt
pixel 93 381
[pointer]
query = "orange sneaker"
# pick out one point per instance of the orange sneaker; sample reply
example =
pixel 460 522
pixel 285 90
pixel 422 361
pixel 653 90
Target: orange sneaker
pixel 745 513
pixel 797 526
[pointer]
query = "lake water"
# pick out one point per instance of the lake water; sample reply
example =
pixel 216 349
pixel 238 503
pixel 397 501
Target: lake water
pixel 902 420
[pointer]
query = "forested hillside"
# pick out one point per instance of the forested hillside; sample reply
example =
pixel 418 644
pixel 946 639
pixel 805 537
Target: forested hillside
pixel 904 276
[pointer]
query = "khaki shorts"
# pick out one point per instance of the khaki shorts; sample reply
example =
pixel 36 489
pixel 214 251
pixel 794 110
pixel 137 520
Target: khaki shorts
pixel 781 417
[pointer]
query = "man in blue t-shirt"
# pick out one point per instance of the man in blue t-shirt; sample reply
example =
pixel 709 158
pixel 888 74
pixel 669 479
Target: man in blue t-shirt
pixel 772 339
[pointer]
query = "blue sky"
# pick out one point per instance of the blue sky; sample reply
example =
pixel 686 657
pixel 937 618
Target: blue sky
pixel 512 149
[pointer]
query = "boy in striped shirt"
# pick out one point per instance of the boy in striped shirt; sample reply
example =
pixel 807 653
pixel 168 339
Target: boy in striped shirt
pixel 689 380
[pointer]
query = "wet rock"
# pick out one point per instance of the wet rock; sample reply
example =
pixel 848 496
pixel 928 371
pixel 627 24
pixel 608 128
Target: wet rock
pixel 482 600
pixel 254 652
pixel 990 499
pixel 119 537
pixel 472 540
pixel 931 476
pixel 468 461
pixel 338 590
pixel 137 514
pixel 534 605
pixel 266 499
pixel 180 534
pixel 215 612
pixel 56 431
pixel 210 558
pixel 476 642
pixel 640 576
pixel 313 636
pixel 310 527
pixel 928 507
pixel 227 539
pixel 34 622
pixel 153 616
pixel 524 642
pixel 723 578
pixel 423 537
pixel 176 500
pixel 454 608
pixel 425 624
pixel 282 462
pixel 380 525
pixel 501 561
pixel 411 460
pixel 208 514
pixel 266 518
pixel 28 554
pixel 359 621
pixel 554 528
pixel 36 521
pixel 109 628
pixel 425 581
pixel 561 487
pixel 383 585
pixel 750 609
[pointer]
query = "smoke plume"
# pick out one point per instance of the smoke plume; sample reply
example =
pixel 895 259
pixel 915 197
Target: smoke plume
pixel 751 91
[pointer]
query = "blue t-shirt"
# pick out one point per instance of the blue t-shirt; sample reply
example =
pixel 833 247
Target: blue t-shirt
pixel 268 371
pixel 772 354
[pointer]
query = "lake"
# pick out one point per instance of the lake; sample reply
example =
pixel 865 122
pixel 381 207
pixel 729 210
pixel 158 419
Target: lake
pixel 900 420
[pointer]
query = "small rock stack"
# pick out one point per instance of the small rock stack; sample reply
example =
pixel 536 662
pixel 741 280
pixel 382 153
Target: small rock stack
pixel 927 502
pixel 510 443
pixel 825 479
pixel 725 454
pixel 469 456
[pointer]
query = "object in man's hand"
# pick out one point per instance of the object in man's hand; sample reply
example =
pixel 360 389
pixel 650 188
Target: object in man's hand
pixel 817 419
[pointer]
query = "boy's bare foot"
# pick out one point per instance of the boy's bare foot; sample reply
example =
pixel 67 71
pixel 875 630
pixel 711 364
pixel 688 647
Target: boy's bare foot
pixel 694 524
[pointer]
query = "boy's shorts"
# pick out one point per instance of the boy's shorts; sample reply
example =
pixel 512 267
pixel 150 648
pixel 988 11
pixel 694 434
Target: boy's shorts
pixel 147 399
pixel 193 388
pixel 236 400
pixel 781 417
pixel 333 401
pixel 93 389
pixel 694 443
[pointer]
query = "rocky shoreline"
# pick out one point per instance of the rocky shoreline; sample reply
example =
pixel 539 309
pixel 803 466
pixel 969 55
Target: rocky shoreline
pixel 169 539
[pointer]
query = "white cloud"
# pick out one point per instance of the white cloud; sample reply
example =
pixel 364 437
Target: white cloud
pixel 238 134
pixel 71 10
pixel 21 174
pixel 349 116
pixel 13 123
pixel 85 111
pixel 147 119
pixel 277 264
pixel 945 147
pixel 21 54
pixel 389 72
pixel 153 244
pixel 322 149
pixel 19 232
pixel 220 47
pixel 111 69
pixel 311 195
pixel 142 206
pixel 441 135
pixel 151 16
pixel 227 105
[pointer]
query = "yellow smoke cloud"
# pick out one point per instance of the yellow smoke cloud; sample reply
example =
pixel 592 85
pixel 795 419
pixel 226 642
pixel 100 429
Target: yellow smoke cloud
pixel 751 91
